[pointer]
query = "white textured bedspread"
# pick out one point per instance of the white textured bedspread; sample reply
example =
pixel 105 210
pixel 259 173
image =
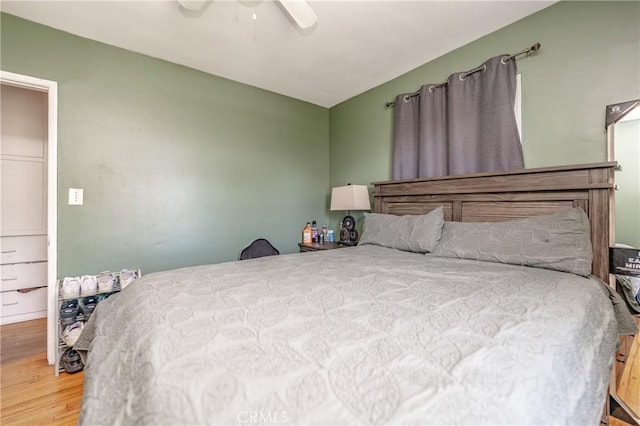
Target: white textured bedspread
pixel 363 335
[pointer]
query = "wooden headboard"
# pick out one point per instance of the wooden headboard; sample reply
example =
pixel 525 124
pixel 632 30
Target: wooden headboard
pixel 516 194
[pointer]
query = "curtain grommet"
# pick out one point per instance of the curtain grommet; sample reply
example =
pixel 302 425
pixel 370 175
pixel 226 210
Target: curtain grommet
pixel 432 88
pixel 505 60
pixel 462 76
pixel 405 98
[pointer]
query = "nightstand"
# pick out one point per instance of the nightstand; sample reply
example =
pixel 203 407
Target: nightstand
pixel 319 246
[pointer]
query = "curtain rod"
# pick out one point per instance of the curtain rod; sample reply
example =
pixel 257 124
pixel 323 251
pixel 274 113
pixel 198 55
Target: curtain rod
pixel 526 51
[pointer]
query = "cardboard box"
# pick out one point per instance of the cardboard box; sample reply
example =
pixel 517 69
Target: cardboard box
pixel 624 261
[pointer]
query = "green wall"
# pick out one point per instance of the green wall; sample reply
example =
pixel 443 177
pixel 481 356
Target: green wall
pixel 590 58
pixel 178 167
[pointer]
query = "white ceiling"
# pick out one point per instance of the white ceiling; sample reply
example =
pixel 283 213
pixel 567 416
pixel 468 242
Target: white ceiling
pixel 355 46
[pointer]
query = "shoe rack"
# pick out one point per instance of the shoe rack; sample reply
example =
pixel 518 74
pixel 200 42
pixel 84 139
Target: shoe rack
pixel 62 346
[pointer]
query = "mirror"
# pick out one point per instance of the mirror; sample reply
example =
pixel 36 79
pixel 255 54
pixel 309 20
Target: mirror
pixel 623 145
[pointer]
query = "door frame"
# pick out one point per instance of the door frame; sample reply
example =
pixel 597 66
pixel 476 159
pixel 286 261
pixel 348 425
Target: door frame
pixel 51 89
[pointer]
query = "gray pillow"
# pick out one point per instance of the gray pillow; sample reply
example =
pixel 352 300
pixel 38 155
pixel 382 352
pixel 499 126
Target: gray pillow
pixel 416 233
pixel 560 241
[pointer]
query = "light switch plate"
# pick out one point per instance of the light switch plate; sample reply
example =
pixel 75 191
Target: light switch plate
pixel 75 196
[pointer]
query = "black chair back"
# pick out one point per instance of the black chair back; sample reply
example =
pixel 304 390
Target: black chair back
pixel 258 248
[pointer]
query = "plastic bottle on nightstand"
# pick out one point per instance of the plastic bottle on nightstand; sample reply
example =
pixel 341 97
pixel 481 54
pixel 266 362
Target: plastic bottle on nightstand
pixel 314 232
pixel 306 234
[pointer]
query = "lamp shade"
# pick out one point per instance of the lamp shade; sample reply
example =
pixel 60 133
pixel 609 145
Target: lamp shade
pixel 350 197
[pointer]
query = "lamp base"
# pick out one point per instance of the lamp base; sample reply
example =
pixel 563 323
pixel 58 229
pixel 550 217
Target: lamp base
pixel 348 233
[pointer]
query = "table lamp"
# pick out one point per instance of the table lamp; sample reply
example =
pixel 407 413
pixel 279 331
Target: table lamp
pixel 349 197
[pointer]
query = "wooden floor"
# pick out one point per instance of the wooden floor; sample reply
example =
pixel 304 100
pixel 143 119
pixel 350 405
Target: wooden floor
pixel 30 393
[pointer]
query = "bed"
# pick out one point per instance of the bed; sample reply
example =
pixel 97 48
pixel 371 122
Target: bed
pixel 375 334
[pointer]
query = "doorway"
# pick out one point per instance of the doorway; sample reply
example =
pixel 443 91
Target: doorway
pixel 37 230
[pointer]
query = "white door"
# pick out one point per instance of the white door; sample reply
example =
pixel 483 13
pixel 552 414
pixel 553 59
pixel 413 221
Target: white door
pixel 28 212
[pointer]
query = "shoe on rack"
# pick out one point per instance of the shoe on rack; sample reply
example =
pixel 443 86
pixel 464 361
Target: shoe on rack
pixel 88 284
pixel 69 312
pixel 106 281
pixel 127 276
pixel 70 287
pixel 71 333
pixel 89 304
pixel 70 360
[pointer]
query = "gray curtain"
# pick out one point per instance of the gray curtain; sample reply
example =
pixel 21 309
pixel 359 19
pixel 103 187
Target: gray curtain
pixel 406 153
pixel 465 126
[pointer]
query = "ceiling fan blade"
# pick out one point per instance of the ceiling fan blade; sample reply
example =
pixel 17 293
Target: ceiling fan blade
pixel 192 4
pixel 193 8
pixel 300 12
